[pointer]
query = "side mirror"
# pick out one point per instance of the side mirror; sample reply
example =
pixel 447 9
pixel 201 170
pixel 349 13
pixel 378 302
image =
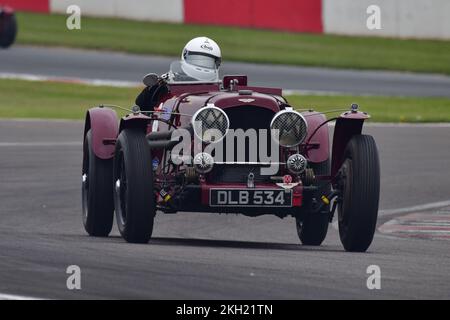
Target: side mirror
pixel 150 79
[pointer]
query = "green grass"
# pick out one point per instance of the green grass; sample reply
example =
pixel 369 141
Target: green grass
pixel 30 99
pixel 51 100
pixel 260 46
pixel 381 108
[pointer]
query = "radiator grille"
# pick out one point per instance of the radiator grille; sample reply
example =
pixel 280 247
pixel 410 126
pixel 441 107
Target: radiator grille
pixel 245 118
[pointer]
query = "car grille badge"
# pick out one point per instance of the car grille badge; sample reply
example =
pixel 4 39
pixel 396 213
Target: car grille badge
pixel 246 100
pixel 287 182
pixel 287 185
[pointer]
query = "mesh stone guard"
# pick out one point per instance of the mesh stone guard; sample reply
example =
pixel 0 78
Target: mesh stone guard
pixel 292 127
pixel 207 118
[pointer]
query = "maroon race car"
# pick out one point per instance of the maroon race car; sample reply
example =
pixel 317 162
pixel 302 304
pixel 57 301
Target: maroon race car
pixel 8 27
pixel 228 147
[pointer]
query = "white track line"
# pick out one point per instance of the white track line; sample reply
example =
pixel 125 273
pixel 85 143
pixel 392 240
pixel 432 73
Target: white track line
pixel 393 212
pixel 4 296
pixel 289 92
pixel 407 125
pixel 134 84
pixel 370 124
pixel 92 82
pixel 40 144
pixel 422 207
pixel 42 120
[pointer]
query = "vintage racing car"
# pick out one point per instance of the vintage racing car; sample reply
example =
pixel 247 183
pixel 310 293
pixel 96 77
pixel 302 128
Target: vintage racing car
pixel 177 158
pixel 8 27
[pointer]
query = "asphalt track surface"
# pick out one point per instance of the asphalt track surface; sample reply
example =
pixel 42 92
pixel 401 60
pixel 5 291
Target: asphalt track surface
pixel 201 255
pixel 59 62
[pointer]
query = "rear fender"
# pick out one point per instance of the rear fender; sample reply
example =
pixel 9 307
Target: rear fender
pixel 321 140
pixel 348 124
pixel 103 125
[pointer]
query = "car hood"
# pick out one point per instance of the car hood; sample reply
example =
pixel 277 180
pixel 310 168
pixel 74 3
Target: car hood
pixel 189 103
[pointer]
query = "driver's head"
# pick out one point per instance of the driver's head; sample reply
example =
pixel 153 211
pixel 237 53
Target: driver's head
pixel 201 58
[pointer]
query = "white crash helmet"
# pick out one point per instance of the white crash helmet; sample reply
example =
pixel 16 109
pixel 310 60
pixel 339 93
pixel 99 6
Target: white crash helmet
pixel 201 58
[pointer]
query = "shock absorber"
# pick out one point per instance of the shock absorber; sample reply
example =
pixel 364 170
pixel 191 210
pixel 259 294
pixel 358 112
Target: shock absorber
pixel 308 177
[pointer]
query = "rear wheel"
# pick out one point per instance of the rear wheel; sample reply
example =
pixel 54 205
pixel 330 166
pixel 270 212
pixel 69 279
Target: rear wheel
pixel 97 192
pixel 359 185
pixel 133 187
pixel 313 229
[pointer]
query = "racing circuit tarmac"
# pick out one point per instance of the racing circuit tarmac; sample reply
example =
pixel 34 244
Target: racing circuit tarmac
pixel 72 63
pixel 201 255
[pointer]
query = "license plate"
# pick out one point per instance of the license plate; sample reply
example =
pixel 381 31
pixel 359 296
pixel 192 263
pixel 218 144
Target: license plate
pixel 250 198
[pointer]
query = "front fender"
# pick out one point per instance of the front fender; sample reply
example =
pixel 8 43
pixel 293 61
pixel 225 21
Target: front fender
pixel 138 120
pixel 348 124
pixel 103 124
pixel 321 137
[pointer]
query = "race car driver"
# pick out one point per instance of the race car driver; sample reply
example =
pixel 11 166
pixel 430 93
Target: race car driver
pixel 200 61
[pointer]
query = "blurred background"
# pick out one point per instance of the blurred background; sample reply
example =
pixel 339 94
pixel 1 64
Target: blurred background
pixel 401 18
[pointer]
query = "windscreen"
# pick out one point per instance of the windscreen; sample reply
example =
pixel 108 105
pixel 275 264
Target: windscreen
pixel 181 71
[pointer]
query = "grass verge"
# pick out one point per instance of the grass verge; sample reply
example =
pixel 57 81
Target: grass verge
pixel 52 100
pixel 238 44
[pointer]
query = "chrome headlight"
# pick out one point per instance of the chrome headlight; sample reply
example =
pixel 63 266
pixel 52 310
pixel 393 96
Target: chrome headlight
pixel 292 128
pixel 210 124
pixel 203 162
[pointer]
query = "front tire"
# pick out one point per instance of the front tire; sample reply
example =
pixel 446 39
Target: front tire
pixel 360 189
pixel 97 192
pixel 313 229
pixel 134 198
